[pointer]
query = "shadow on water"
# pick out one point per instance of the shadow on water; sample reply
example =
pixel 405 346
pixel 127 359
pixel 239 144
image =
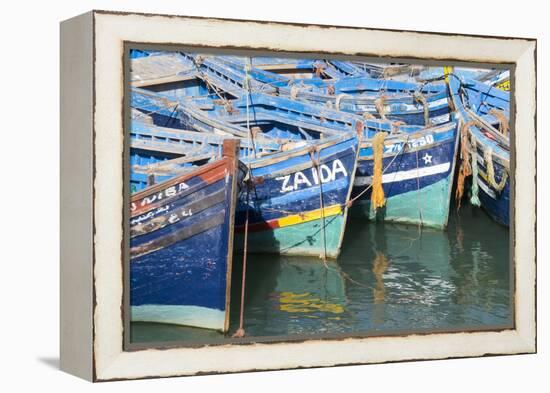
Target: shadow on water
pixel 387 278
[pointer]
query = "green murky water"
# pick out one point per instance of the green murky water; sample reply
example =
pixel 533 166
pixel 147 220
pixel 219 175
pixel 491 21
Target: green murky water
pixel 388 279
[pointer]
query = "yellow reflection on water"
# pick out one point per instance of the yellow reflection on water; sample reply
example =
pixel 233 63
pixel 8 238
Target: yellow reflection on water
pixel 306 303
pixel 379 267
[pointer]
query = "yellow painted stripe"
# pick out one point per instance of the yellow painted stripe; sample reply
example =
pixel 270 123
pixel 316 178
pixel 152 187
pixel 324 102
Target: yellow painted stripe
pixel 309 216
pixel 446 71
pixel 504 85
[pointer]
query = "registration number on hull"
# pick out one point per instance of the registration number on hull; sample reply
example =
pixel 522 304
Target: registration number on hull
pixel 414 143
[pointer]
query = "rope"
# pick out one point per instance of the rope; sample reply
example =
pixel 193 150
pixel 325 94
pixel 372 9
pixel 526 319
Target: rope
pixel 504 125
pixel 294 90
pixel 474 198
pixel 395 126
pixel 339 99
pixel 379 104
pixel 350 203
pixel 488 157
pixel 421 221
pixel 240 331
pixel 197 63
pixel 166 106
pixel 419 97
pixel 315 163
pixel 465 169
pixel 171 115
pixel 378 199
pixel 247 87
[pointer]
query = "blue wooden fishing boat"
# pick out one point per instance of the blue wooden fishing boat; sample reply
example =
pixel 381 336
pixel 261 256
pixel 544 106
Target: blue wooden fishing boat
pixel 166 71
pixel 299 291
pixel 501 80
pixel 347 68
pixel 296 201
pixel 483 98
pixel 415 171
pixel 408 102
pixel 187 114
pixel 485 155
pixel 150 137
pixel 389 70
pixel 181 245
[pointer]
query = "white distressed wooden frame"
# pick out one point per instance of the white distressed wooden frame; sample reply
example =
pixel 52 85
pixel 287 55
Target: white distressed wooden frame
pixel 92 194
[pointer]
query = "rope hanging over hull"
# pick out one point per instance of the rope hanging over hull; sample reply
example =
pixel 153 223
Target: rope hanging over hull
pixel 465 169
pixel 378 198
pixel 474 198
pixel 498 186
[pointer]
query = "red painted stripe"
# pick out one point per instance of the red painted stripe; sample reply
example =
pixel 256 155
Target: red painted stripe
pixel 209 174
pixel 205 170
pixel 259 226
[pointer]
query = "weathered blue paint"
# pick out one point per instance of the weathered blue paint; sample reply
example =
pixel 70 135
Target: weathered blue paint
pixel 481 98
pixel 181 233
pixel 355 94
pixel 292 184
pixel 167 112
pixel 137 53
pixel 496 203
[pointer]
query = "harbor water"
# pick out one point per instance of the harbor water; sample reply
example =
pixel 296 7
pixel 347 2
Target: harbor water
pixel 389 279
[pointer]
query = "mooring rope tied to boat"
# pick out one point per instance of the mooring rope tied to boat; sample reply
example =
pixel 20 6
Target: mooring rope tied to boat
pixel 206 80
pixel 504 124
pixel 315 162
pixel 419 97
pixel 379 104
pixel 465 168
pixel 489 166
pixel 474 198
pixel 339 99
pixel 378 199
pixel 421 222
pixel 402 150
pixel 240 331
pixel 165 107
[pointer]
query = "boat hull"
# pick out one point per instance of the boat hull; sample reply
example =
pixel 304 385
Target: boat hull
pixel 286 212
pixel 417 181
pixel 181 248
pixel 482 98
pixel 495 203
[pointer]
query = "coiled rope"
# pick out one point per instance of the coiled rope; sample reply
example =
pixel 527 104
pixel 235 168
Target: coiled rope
pixel 488 157
pixel 469 166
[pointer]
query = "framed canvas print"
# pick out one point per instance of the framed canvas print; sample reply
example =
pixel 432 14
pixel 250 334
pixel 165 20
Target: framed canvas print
pixel 245 195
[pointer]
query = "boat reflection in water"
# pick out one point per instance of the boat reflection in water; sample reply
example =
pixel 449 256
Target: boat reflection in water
pixel 428 279
pixel 295 296
pixel 389 278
